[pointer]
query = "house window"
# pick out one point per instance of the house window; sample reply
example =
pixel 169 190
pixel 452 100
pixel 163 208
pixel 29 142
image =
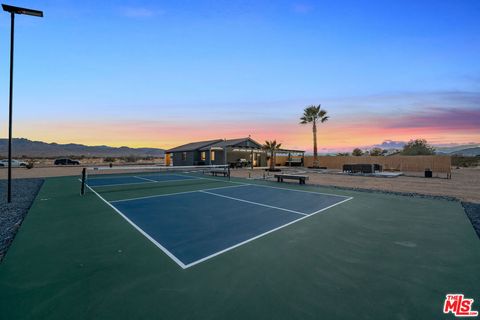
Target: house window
pixel 212 155
pixel 184 156
pixel 203 155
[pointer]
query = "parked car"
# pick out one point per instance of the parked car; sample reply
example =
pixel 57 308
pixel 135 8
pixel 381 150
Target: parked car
pixel 65 162
pixel 15 163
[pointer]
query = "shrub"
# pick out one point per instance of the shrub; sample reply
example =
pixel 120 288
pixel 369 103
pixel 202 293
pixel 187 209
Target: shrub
pixel 30 164
pixel 418 147
pixel 460 161
pixel 376 152
pixel 357 152
pixel 131 159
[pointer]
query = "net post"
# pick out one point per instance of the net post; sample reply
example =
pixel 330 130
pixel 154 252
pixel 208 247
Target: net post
pixel 84 181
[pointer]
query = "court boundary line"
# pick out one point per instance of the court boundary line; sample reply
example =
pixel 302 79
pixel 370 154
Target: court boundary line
pixel 185 266
pixel 255 203
pixel 175 193
pixel 146 180
pixel 146 235
pixel 306 191
pixel 119 184
pixel 262 234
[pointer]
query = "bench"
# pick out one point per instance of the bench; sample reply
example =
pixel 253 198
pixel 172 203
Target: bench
pixel 216 172
pixel 301 179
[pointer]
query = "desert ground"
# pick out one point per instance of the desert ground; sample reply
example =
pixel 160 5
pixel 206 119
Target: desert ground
pixel 464 185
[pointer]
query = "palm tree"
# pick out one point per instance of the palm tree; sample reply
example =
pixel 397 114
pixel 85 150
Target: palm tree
pixel 272 147
pixel 314 114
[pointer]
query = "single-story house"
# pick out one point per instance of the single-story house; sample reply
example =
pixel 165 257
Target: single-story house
pixel 217 152
pixel 233 151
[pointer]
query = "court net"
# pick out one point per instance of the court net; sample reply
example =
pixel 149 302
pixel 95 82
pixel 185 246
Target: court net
pixel 137 178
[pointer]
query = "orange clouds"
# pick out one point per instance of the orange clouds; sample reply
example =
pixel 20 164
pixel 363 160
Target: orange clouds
pixel 336 134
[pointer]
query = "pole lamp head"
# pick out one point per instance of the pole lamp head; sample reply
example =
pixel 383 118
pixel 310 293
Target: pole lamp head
pixel 18 10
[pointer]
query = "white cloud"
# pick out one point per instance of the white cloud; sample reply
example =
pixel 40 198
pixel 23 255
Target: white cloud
pixel 140 12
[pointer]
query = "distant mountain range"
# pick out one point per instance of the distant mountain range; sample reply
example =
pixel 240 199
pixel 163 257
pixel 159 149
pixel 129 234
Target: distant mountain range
pixel 467 152
pixel 394 147
pixel 461 150
pixel 29 148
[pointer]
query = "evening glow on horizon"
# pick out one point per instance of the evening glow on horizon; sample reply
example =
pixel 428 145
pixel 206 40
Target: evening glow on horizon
pixel 161 74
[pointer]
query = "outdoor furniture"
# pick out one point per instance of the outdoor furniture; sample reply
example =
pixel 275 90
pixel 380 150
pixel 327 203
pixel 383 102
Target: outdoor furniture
pixel 301 179
pixel 294 162
pixel 216 172
pixel 361 168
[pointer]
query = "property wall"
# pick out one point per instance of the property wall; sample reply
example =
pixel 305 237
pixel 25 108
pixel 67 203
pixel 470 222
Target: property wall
pixel 439 164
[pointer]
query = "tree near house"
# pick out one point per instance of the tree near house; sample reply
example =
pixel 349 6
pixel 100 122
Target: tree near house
pixel 314 115
pixel 357 152
pixel 418 147
pixel 376 152
pixel 272 147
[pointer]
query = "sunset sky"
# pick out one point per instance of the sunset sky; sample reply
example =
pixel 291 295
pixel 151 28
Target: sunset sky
pixel 164 73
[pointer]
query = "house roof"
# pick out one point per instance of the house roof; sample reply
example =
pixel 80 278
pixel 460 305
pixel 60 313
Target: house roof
pixel 193 146
pixel 218 143
pixel 230 143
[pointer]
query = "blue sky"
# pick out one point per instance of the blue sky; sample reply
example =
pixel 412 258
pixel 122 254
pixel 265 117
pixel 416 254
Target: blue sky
pixel 121 64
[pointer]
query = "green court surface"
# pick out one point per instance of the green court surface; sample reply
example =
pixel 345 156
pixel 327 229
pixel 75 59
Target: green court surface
pixel 376 256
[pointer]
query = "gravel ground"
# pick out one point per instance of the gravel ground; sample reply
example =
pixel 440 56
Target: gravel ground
pixel 473 212
pixel 464 185
pixel 12 214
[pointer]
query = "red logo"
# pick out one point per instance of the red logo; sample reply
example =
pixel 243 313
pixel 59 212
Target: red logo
pixel 460 306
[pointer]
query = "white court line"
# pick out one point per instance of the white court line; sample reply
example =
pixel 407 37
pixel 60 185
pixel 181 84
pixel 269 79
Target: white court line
pixel 168 253
pixel 146 179
pixel 256 203
pixel 261 235
pixel 175 193
pixel 185 266
pixel 222 179
pixel 297 190
pixel 119 184
pixel 333 205
pixel 152 174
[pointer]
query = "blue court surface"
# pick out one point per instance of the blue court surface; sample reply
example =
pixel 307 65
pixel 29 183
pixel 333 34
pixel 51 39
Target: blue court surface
pixel 125 180
pixel 193 226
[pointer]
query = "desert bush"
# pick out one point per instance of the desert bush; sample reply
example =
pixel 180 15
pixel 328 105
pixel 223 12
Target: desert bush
pixel 30 164
pixel 418 147
pixel 357 152
pixel 461 161
pixel 130 159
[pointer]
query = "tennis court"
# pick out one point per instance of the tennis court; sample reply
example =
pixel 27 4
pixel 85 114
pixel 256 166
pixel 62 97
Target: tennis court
pixel 196 225
pixel 190 245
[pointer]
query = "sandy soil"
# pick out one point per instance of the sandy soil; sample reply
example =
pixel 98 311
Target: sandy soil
pixel 464 185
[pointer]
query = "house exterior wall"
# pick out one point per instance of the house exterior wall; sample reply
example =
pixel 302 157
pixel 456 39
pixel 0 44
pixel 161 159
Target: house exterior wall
pixel 240 150
pixel 178 161
pixel 194 158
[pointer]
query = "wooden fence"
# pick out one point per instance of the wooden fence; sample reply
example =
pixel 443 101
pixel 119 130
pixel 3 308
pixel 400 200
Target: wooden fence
pixel 438 164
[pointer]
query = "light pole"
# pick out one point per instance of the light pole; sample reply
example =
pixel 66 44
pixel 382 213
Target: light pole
pixel 13 10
